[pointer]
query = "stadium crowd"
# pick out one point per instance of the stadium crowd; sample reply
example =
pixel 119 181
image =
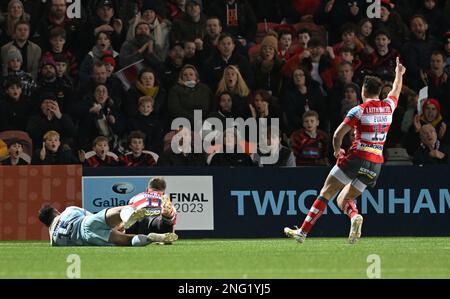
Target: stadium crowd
pixel 103 89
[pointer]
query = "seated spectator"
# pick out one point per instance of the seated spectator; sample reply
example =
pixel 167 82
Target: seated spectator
pixel 160 27
pixel 58 42
pixel 274 148
pixel 310 145
pixel 233 83
pixel 364 33
pixel 50 118
pixel 348 55
pixel 100 156
pixel 146 85
pixel 392 22
pixel 24 45
pixel 103 45
pixel 267 67
pixel 349 39
pixel 16 155
pixel 147 121
pixel 52 153
pixel 180 150
pixel 189 95
pixel 14 62
pixel 138 157
pixel 62 64
pixel 301 95
pixel 231 154
pixel 266 107
pixel 438 81
pixel 211 38
pixel 284 46
pixel 15 107
pixel 350 100
pixel 431 151
pixel 193 52
pixel 173 65
pixel 99 117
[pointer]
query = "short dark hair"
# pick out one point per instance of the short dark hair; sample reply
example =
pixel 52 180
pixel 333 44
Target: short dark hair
pixel 304 30
pixel 58 32
pixel 372 86
pixel 47 214
pixel 382 32
pixel 21 22
pixel 310 113
pixel 157 183
pixel 224 35
pixel 11 82
pixel 136 135
pixel 214 18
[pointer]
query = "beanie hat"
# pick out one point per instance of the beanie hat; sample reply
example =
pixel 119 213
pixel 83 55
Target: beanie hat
pixel 434 102
pixel 48 60
pixel 13 53
pixel 270 41
pixel 387 4
pixel 148 5
pixel 108 57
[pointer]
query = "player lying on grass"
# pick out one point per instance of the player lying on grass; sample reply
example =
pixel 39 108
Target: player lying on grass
pixel 361 165
pixel 159 215
pixel 77 227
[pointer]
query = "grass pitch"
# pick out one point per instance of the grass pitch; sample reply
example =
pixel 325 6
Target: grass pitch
pixel 254 258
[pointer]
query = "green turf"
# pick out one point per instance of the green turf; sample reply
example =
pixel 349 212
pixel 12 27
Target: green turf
pixel 262 258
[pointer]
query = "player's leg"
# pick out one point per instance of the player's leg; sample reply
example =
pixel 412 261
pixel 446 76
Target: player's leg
pixel 332 185
pixel 348 206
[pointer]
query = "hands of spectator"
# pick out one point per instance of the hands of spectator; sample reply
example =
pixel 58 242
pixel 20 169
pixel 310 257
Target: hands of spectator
pixel 305 54
pixel 81 156
pixel 442 130
pixel 252 110
pixel 54 108
pixel 424 77
pixel 437 154
pixel 104 27
pixel 95 108
pixel 340 153
pixel 303 89
pixel 368 49
pixel 111 119
pixel 329 6
pixel 331 52
pixel 444 77
pixel 417 124
pixel 118 25
pixel 354 9
pixel 198 44
pixel 43 152
pixel 243 41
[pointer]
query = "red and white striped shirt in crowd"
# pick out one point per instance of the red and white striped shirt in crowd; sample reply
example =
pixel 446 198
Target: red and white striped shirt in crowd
pixel 371 121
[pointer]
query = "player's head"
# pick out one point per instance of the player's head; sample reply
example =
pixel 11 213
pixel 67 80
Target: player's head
pixel 47 214
pixel 158 184
pixel 371 88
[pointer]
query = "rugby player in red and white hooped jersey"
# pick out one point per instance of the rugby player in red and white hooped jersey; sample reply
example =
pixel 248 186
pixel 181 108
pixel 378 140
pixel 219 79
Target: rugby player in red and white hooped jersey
pixel 150 211
pixel 361 165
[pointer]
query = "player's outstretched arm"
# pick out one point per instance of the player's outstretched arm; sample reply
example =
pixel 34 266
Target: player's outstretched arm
pixel 398 82
pixel 338 135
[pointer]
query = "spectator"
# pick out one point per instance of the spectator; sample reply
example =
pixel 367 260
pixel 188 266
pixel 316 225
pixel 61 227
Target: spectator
pixel 237 18
pixel 106 20
pixel 267 67
pixel 146 85
pixel 147 121
pixel 176 9
pixel 160 27
pixel 232 153
pixel 417 51
pixel 274 147
pixel 15 13
pixel 266 107
pixel 435 18
pixel 30 52
pixel 189 95
pixel 233 83
pixel 438 81
pixel 349 39
pixel 431 151
pixel 58 42
pixel 15 150
pixel 102 46
pixel 301 95
pixel 391 22
pixel 142 46
pixel 99 117
pixel 15 108
pixel 14 70
pixel 173 65
pixel 51 118
pixel 224 56
pixel 364 33
pixel 102 156
pixel 284 46
pixel 193 52
pixel 211 38
pixel 191 26
pixel 62 64
pixel 447 51
pixel 52 153
pixel 310 145
pixel 137 157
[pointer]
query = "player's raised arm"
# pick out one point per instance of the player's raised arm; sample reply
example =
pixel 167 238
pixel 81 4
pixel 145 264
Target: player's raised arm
pixel 398 82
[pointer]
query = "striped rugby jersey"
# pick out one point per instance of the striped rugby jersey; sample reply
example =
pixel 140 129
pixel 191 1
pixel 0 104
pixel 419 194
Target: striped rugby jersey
pixel 371 121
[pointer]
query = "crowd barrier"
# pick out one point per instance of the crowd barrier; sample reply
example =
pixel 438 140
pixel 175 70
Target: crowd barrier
pixel 230 202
